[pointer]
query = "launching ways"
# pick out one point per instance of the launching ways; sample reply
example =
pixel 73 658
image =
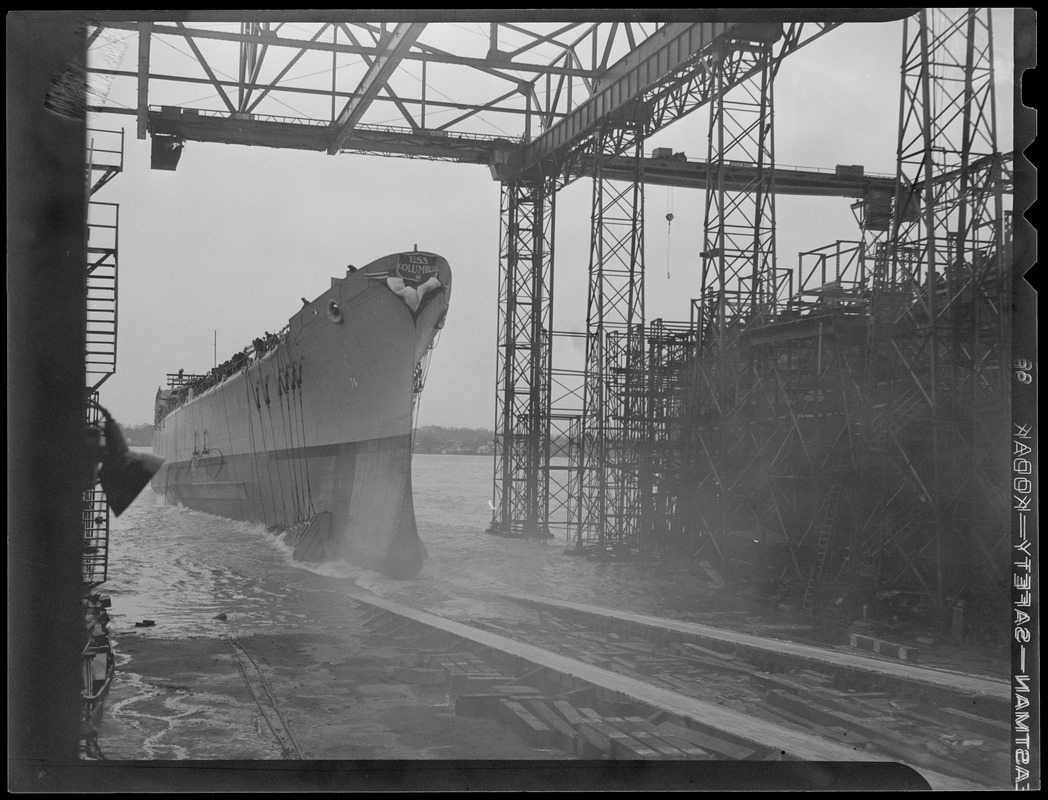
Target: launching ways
pixel 737 732
pixel 893 673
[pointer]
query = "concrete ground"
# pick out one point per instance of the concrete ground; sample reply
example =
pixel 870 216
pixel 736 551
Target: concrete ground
pixel 324 696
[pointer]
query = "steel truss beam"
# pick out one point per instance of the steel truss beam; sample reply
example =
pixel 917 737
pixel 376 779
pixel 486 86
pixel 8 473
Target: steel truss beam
pixel 540 92
pixel 522 438
pixel 664 76
pixel 670 76
pixel 255 35
pixel 392 50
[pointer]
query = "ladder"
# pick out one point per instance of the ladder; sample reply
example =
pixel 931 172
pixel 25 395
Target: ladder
pixel 830 505
pixel 100 359
pixel 94 517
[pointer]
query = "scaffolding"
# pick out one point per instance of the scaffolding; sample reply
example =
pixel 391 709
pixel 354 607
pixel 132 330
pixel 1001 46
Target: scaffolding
pixel 941 327
pixel 671 348
pixel 848 418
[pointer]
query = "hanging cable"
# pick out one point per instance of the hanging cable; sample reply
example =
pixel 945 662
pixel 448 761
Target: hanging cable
pixel 264 389
pixel 284 392
pixel 669 227
pixel 254 450
pixel 289 447
pixel 302 425
pixel 233 461
pixel 273 435
pixel 421 373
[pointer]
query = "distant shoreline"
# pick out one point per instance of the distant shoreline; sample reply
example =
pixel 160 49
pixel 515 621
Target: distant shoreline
pixel 429 440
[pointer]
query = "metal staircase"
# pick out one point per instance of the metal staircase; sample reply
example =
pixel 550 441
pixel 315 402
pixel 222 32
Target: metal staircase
pixel 104 161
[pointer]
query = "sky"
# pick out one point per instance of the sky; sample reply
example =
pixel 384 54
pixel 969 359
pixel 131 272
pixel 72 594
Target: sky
pixel 224 247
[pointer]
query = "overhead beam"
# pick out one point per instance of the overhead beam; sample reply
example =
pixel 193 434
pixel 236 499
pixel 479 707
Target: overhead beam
pixel 398 43
pixel 737 177
pixel 191 125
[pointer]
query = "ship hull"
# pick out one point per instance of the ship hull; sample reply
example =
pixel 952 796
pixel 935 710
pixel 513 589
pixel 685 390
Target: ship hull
pixel 314 435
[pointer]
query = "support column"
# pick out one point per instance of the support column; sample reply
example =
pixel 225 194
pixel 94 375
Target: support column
pixel 614 428
pixel 738 290
pixel 522 409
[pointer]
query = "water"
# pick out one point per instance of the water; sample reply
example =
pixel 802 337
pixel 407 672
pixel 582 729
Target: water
pixel 181 568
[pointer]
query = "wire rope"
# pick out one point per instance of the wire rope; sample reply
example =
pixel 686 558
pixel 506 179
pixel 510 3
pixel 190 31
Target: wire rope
pixel 272 431
pixel 289 441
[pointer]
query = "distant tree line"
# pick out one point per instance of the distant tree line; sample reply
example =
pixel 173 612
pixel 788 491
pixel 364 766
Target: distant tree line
pixel 458 441
pixel 138 435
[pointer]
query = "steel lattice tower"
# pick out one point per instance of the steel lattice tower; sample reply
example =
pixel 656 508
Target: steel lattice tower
pixel 613 426
pixel 522 441
pixel 737 291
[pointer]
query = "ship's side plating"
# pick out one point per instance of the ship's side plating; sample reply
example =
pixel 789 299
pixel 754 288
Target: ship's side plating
pixel 315 433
